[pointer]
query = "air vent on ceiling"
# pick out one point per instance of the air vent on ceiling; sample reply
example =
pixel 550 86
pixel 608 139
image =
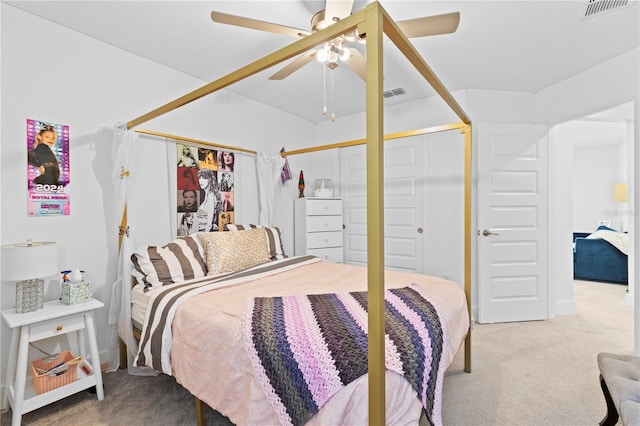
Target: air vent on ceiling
pixel 393 92
pixel 596 7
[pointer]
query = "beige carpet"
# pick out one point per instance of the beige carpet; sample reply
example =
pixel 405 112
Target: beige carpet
pixel 541 372
pixel 534 373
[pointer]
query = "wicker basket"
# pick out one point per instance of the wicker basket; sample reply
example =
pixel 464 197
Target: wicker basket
pixel 44 383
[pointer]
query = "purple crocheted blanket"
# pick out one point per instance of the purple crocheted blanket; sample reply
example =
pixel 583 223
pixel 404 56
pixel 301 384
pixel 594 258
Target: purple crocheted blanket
pixel 306 348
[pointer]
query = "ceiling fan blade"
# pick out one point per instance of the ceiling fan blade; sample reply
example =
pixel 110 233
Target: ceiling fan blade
pixel 254 24
pixel 357 63
pixel 294 65
pixel 430 25
pixel 339 9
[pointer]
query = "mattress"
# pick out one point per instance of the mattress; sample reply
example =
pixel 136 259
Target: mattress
pixel 208 354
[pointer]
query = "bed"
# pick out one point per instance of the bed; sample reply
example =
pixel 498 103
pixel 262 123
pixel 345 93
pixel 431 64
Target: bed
pixel 288 335
pixel 601 255
pixel 375 22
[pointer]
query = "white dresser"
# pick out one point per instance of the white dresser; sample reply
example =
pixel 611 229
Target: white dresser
pixel 318 228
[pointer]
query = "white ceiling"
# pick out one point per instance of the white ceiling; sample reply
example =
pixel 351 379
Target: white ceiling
pixel 499 45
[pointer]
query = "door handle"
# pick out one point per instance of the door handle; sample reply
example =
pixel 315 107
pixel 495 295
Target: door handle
pixel 486 233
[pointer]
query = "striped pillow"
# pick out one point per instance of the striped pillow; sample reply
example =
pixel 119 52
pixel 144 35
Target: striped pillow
pixel 180 260
pixel 274 239
pixel 235 227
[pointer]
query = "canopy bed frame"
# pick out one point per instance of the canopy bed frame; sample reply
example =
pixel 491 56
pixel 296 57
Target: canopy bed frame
pixel 374 22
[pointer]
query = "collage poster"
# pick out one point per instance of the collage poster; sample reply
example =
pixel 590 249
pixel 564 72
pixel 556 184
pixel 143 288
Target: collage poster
pixel 205 189
pixel 47 169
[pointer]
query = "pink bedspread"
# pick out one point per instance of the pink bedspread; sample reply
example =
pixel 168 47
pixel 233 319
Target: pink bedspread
pixel 209 358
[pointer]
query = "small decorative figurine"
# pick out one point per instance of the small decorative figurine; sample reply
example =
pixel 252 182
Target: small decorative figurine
pixel 75 276
pixel 301 185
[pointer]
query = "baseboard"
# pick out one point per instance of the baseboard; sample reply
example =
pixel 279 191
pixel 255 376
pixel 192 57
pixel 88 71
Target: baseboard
pixel 629 299
pixel 566 307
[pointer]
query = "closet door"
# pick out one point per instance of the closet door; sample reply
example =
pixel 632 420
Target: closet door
pixel 404 205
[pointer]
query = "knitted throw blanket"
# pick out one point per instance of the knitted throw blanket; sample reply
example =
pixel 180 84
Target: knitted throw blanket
pixel 306 348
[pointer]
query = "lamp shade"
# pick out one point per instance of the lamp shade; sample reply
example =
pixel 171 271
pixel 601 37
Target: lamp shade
pixel 30 260
pixel 620 192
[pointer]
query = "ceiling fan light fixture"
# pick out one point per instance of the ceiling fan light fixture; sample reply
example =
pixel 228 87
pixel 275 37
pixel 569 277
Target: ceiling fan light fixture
pixel 345 54
pixel 322 55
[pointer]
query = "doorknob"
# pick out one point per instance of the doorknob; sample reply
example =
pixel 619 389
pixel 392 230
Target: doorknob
pixel 486 233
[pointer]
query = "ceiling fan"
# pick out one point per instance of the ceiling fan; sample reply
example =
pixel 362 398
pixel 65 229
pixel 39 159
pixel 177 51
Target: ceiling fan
pixel 337 50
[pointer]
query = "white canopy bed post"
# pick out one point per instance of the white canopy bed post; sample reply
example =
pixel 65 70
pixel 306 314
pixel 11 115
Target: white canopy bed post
pixel 120 306
pixel 269 168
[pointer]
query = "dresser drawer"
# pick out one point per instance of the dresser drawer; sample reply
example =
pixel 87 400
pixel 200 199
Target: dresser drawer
pixel 323 207
pixel 56 327
pixel 333 254
pixel 324 239
pixel 324 223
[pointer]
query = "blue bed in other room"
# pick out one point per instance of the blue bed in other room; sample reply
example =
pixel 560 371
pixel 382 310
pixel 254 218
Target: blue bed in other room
pixel 601 255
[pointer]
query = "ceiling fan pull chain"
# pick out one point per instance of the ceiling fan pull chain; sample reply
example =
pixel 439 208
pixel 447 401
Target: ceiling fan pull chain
pixel 333 116
pixel 324 90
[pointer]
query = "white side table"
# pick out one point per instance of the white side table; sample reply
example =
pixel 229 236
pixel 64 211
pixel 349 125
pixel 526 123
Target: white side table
pixel 54 319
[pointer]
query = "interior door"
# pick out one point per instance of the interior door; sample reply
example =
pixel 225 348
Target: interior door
pixel 403 200
pixel 512 222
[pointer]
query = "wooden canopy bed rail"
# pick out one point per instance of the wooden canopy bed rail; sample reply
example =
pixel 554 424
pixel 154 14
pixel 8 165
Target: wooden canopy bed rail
pixel 373 21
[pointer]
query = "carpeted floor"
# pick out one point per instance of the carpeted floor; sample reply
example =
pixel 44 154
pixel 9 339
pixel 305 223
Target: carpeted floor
pixel 530 373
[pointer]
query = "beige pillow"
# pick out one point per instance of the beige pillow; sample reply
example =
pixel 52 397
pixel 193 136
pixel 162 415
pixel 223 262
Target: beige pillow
pixel 233 251
pixel 274 238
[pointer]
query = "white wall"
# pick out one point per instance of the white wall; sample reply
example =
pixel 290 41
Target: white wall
pixel 560 225
pixel 54 74
pixel 595 169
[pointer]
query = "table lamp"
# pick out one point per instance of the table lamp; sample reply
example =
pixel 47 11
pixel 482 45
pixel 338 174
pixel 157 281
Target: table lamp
pixel 27 263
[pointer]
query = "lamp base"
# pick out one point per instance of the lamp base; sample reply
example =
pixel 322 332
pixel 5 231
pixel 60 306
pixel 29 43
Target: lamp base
pixel 29 295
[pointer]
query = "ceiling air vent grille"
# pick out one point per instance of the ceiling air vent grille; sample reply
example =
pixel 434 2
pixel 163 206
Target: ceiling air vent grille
pixel 595 7
pixel 393 92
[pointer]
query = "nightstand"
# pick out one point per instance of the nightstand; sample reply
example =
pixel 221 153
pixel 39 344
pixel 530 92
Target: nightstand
pixel 54 319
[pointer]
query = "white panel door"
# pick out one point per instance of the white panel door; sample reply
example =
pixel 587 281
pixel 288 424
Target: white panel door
pixel 404 205
pixel 512 222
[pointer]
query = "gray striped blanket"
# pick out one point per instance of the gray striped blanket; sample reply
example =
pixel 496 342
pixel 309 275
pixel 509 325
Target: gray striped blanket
pixel 306 348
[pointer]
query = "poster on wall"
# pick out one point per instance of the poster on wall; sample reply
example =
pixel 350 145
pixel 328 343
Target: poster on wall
pixel 47 169
pixel 205 184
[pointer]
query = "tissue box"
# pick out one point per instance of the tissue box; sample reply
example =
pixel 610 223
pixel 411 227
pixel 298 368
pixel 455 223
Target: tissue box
pixel 74 293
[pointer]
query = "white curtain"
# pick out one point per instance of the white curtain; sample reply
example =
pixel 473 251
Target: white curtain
pixel 269 169
pixel 120 307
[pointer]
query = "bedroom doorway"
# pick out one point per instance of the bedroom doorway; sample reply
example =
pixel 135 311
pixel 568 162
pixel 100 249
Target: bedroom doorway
pixel 602 166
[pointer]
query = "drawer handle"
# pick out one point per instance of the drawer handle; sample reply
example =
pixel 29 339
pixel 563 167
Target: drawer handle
pixel 326 240
pixel 58 328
